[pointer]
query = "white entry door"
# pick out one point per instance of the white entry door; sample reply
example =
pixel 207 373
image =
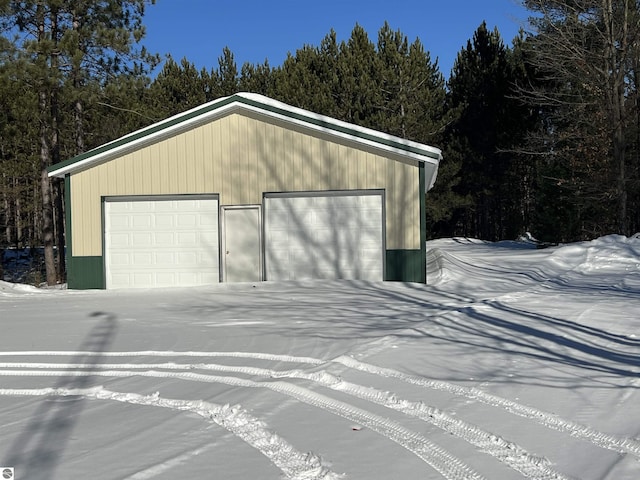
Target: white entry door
pixel 161 241
pixel 242 244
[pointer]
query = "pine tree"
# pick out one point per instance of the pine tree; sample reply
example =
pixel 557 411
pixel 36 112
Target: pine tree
pixel 225 78
pixel 488 125
pixel 63 45
pixel 177 88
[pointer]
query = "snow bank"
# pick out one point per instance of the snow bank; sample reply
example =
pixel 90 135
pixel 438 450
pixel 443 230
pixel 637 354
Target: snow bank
pixel 612 252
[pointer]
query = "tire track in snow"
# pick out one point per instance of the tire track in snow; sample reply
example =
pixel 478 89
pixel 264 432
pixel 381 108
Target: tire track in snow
pixel 294 464
pixel 449 466
pixel 603 440
pixel 507 452
pixel 165 353
pixel 549 420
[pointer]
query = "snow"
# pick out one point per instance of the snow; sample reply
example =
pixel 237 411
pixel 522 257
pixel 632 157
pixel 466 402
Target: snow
pixel 513 362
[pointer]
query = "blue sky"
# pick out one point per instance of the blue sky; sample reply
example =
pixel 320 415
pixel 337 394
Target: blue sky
pixel 256 30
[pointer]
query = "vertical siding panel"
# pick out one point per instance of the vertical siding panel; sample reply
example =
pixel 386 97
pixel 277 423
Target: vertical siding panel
pixel 268 161
pixel 77 189
pixel 245 147
pixel 286 154
pixel 308 166
pixel 261 160
pixel 279 167
pixel 392 202
pixel 274 164
pixel 201 149
pixel 116 170
pixel 127 165
pixel 154 174
pixel 178 178
pixel 207 154
pixel 196 161
pixel 96 215
pixel 253 154
pixel 191 161
pixel 232 160
pixel 316 176
pixel 215 157
pixel 329 168
pixel 225 171
pixel 224 161
pixel 145 170
pixel 342 162
pixel 297 161
pixel 179 159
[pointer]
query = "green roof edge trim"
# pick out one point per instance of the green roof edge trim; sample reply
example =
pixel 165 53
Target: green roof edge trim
pixel 341 129
pixel 238 98
pixel 144 132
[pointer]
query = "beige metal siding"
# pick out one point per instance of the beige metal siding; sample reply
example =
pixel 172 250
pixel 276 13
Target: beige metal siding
pixel 240 157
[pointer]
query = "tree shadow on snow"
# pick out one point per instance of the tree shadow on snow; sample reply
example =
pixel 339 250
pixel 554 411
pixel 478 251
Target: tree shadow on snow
pixel 370 310
pixel 36 452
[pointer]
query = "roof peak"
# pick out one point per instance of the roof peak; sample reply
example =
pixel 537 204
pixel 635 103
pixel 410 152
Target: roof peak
pixel 250 102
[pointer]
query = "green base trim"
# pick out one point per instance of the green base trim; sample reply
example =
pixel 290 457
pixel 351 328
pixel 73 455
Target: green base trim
pixel 85 273
pixel 405 266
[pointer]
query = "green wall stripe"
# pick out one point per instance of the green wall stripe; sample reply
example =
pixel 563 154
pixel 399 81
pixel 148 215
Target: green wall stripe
pixel 86 273
pixel 423 222
pixel 404 266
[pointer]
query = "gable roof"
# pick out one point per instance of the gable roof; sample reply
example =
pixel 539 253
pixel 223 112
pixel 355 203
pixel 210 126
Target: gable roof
pixel 250 102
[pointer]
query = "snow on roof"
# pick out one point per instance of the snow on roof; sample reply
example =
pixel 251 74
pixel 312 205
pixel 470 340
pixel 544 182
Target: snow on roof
pixel 255 103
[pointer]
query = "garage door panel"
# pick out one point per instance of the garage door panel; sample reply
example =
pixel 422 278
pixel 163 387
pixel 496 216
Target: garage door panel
pixel 154 243
pixel 324 236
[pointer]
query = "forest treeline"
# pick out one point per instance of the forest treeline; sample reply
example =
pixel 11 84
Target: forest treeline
pixel 541 134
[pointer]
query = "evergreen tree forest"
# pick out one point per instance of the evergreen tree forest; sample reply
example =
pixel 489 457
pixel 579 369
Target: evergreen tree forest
pixel 540 133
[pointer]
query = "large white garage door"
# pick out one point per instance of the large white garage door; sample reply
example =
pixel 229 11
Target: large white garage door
pixel 332 236
pixel 161 241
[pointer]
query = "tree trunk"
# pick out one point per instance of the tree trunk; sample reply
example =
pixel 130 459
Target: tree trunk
pixel 617 41
pixel 18 214
pixel 45 159
pixel 45 188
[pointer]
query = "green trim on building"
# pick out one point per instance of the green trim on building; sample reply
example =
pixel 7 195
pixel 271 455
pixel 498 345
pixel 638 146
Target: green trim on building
pixel 67 225
pixel 338 128
pixel 423 223
pixel 153 129
pixel 404 266
pixel 85 273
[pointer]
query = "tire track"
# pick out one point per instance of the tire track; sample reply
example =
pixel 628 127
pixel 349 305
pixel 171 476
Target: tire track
pixel 164 353
pixel 294 465
pixel 449 466
pixel 603 440
pixel 549 420
pixel 507 452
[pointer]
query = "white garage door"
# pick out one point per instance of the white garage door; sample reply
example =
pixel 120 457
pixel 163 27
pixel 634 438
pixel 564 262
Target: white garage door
pixel 333 236
pixel 161 242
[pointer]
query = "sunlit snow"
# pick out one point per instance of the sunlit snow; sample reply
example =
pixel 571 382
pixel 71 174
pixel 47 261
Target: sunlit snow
pixel 513 362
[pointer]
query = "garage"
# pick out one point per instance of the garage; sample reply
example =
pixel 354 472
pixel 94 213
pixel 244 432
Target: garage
pixel 328 235
pixel 246 188
pixel 162 241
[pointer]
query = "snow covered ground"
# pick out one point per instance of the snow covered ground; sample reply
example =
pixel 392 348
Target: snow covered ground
pixel 512 363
